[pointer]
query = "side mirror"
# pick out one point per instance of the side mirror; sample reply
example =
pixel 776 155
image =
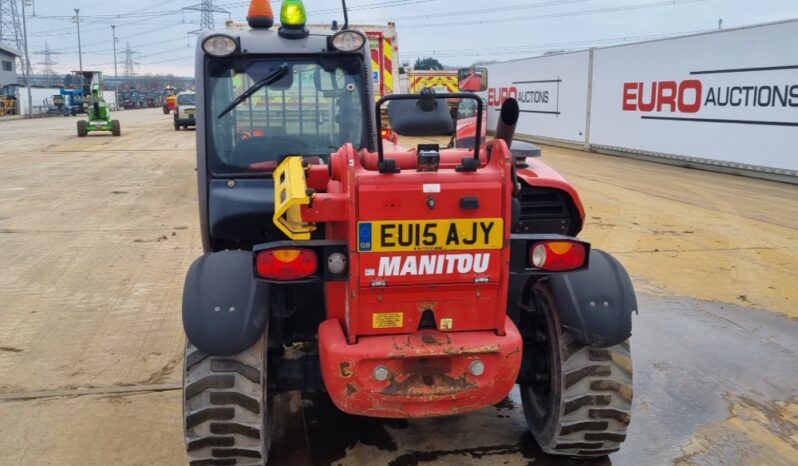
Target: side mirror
pixel 472 79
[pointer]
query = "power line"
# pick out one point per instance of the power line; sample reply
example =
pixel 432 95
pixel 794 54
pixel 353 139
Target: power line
pixel 103 26
pixel 482 11
pixel 170 60
pixel 350 8
pixel 146 63
pixel 113 16
pixel 137 34
pixel 145 45
pixel 159 3
pixel 637 6
pixel 543 47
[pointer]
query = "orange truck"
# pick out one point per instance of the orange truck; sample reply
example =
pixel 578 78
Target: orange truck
pixel 170 100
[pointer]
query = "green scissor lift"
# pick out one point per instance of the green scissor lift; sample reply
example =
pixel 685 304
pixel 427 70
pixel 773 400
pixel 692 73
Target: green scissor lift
pixel 96 107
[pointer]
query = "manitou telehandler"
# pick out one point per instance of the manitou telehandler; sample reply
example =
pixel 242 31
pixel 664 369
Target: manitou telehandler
pixel 403 283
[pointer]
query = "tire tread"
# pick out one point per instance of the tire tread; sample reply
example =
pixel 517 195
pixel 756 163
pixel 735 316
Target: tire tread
pixel 593 410
pixel 223 407
pixel 597 397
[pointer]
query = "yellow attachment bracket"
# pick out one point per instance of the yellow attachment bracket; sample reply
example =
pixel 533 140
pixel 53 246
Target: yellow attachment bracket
pixel 290 193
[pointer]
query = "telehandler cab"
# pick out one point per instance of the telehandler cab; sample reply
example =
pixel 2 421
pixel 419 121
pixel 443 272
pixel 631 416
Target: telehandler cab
pixel 402 283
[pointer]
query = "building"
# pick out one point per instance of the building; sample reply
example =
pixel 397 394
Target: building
pixel 8 65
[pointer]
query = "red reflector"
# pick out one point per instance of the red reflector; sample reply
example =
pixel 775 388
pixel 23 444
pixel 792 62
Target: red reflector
pixel 286 264
pixel 558 256
pixel 389 135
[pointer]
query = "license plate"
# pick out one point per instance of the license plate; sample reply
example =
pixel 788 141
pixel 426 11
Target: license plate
pixel 430 235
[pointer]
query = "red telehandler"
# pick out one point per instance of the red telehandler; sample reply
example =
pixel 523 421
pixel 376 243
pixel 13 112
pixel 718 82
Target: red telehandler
pixel 402 283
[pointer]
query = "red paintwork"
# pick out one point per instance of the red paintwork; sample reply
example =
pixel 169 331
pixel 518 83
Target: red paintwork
pixel 429 373
pixel 538 173
pixel 375 198
pixel 429 368
pixel 467 129
pixel 473 83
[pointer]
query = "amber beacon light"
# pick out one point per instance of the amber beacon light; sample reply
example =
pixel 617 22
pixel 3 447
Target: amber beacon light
pixel 260 15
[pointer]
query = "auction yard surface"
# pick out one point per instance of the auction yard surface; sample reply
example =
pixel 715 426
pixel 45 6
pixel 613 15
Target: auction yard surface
pixel 97 233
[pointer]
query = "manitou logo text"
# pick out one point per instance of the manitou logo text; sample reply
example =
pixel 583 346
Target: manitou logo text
pixel 433 264
pixel 692 95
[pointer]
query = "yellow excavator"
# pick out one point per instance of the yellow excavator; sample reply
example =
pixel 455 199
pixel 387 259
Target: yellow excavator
pixel 8 100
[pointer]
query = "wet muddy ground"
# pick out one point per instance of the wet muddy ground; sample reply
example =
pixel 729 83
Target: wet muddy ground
pixel 718 378
pixel 96 235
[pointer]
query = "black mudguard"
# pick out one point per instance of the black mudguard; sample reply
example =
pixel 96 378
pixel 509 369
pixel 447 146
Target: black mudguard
pixel 596 304
pixel 225 309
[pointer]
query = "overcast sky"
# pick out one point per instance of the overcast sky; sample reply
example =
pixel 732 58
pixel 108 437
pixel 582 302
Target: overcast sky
pixel 457 32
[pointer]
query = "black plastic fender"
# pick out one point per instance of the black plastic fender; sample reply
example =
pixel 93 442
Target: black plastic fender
pixel 225 309
pixel 596 304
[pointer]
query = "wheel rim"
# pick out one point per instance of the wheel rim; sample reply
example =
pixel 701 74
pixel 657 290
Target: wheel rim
pixel 540 387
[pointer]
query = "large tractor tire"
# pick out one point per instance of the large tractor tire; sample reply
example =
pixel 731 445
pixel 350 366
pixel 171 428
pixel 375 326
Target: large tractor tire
pixel 82 129
pixel 116 129
pixel 177 126
pixel 579 398
pixel 166 109
pixel 225 408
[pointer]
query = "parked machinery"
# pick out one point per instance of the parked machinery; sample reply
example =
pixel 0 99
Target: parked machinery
pixel 185 110
pixel 58 106
pixel 170 100
pixel 8 100
pixel 99 115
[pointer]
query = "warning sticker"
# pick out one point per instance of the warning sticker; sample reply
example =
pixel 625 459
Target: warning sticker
pixel 387 320
pixel 446 324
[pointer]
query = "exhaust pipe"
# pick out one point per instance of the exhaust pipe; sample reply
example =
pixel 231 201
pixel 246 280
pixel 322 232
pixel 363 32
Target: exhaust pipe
pixel 508 119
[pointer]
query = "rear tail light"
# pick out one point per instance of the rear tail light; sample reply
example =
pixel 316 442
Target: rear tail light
pixel 286 264
pixel 558 256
